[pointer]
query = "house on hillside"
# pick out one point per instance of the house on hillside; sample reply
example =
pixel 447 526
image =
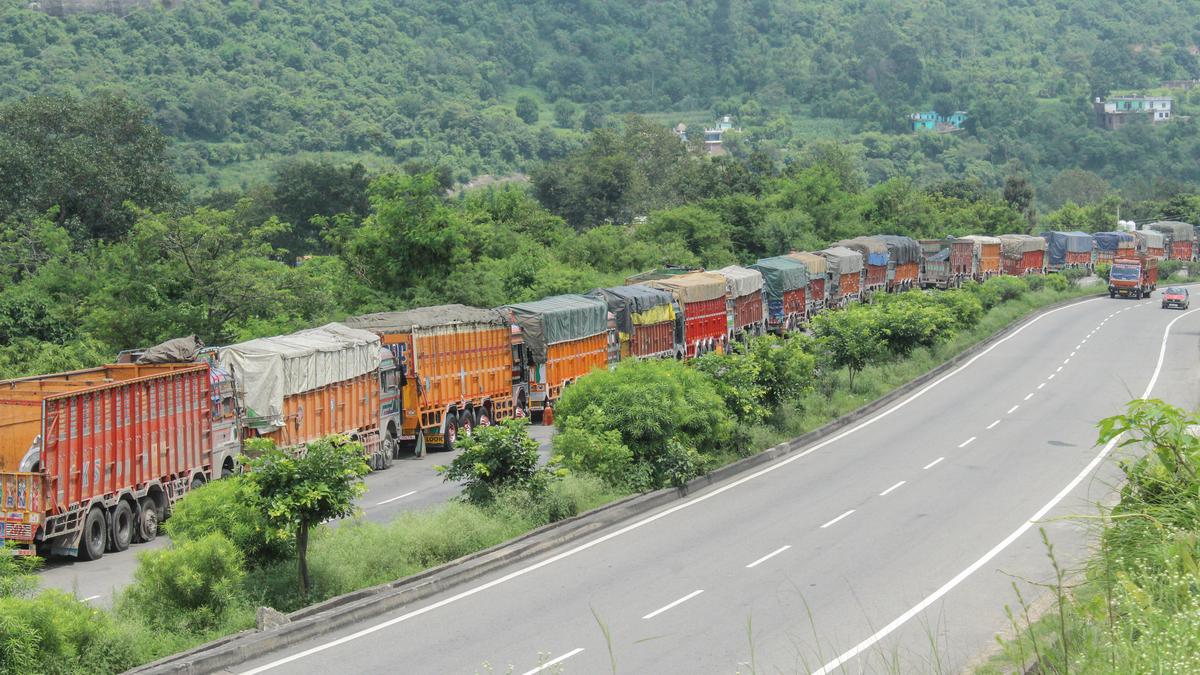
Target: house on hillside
pixel 713 136
pixel 931 121
pixel 1117 110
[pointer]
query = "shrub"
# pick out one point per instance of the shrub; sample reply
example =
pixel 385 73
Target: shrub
pixel 1166 268
pixel 736 377
pixel 964 306
pixel 1102 270
pixel 232 507
pixel 592 445
pixel 786 366
pixel 850 338
pixel 910 321
pixel 1035 282
pixel 497 458
pixel 1000 289
pixel 1056 282
pixel 192 586
pixel 1074 274
pixel 55 633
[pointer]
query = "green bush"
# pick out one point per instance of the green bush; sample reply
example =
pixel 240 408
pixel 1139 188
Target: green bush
pixel 1166 268
pixel 192 586
pixel 911 320
pixel 1074 274
pixel 998 290
pixel 232 507
pixel 1056 282
pixel 591 444
pixel 1035 282
pixel 736 378
pixel 786 366
pixel 964 306
pixel 495 458
pixel 1102 270
pixel 849 338
pixel 55 633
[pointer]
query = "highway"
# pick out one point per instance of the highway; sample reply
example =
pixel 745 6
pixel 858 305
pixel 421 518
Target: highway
pixel 890 547
pixel 410 484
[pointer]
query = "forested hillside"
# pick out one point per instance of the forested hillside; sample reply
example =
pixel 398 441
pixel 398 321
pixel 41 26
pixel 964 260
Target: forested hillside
pixel 496 85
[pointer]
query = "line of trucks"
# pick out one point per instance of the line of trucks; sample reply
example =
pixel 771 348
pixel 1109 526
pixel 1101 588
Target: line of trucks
pixel 92 460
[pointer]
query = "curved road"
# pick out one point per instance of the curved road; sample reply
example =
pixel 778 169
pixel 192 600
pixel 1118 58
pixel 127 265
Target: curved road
pixel 891 547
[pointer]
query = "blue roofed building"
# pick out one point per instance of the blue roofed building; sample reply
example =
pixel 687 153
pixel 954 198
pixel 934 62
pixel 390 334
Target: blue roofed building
pixel 931 121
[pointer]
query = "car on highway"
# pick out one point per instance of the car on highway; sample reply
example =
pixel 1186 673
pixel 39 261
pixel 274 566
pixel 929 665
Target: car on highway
pixel 1175 297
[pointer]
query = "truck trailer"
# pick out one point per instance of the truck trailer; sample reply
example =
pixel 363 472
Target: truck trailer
pixel 1111 245
pixel 844 276
pixel 744 301
pixel 1023 254
pixel 702 322
pixel 556 341
pixel 946 263
pixel 816 295
pixel 875 263
pixel 1179 238
pixel 1068 249
pixel 784 284
pixel 904 261
pixel 644 318
pixel 986 256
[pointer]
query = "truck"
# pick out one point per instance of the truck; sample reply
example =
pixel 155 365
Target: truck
pixel 1023 254
pixel 644 319
pixel 1151 243
pixel 558 340
pixel 700 324
pixel 744 301
pixel 1067 250
pixel 986 256
pixel 844 275
pixel 664 272
pixel 904 261
pixel 875 263
pixel 1179 238
pixel 1111 245
pixel 785 282
pixel 1134 276
pixel 818 268
pixel 946 263
pixel 454 369
pixel 92 460
pixel 297 388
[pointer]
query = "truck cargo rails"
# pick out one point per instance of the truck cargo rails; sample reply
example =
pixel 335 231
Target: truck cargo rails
pixel 1133 277
pixel 1023 254
pixel 875 263
pixel 785 282
pixel 744 301
pixel 986 256
pixel 644 318
pixel 92 460
pixel 556 341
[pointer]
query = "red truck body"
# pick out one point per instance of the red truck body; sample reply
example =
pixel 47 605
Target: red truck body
pixel 1079 258
pixel 815 295
pixel 794 303
pixel 747 311
pixel 1181 250
pixel 704 322
pixel 962 258
pixel 652 339
pixel 1133 276
pixel 906 275
pixel 876 276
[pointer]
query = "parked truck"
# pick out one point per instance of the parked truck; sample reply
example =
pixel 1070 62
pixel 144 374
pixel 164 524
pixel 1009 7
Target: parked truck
pixel 298 388
pixel 985 256
pixel 644 318
pixel 454 369
pixel 1111 245
pixel 1068 250
pixel 1134 276
pixel 946 263
pixel 1179 238
pixel 844 276
pixel 816 295
pixel 1151 243
pixel 743 300
pixel 785 282
pixel 1023 254
pixel 904 261
pixel 557 340
pixel 701 320
pixel 92 460
pixel 875 263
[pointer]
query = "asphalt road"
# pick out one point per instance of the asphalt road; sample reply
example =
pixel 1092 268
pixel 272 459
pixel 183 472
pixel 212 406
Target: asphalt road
pixel 410 485
pixel 891 547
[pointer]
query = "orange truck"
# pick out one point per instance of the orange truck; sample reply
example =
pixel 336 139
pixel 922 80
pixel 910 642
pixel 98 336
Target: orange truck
pixel 455 365
pixel 91 460
pixel 987 256
pixel 555 341
pixel 298 388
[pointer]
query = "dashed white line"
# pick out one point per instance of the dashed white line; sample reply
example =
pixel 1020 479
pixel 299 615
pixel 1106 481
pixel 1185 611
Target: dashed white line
pixel 768 556
pixel 678 602
pixel 1073 353
pixel 837 519
pixel 1066 361
pixel 966 442
pixel 1028 396
pixel 1041 385
pixel 557 661
pixel 1051 376
pixel 993 424
pixel 389 501
pixel 932 464
pixel 1013 409
pixel 885 492
pixel 1059 369
pixel 90 598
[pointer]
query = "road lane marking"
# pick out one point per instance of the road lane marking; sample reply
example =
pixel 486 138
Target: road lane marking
pixel 966 442
pixel 1073 353
pixel 389 501
pixel 557 661
pixel 932 464
pixel 1013 409
pixel 90 598
pixel 859 648
pixel 1028 396
pixel 678 602
pixel 1059 369
pixel 1066 361
pixel 699 499
pixel 768 556
pixel 1041 385
pixel 885 492
pixel 837 519
pixel 993 424
pixel 1050 377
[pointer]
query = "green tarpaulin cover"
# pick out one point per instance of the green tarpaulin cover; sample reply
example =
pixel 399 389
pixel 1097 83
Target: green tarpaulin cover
pixel 781 275
pixel 556 319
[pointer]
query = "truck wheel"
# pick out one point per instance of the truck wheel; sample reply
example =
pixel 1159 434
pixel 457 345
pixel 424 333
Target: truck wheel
pixel 95 535
pixel 451 433
pixel 148 522
pixel 122 526
pixel 466 423
pixel 482 418
pixel 390 448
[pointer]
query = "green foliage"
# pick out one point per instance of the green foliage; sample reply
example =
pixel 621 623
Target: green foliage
pixel 527 109
pixel 963 305
pixel 999 290
pixel 1056 282
pixel 194 586
pixel 850 338
pixel 593 446
pixel 912 320
pixel 496 458
pixel 233 508
pixel 17 576
pixel 55 633
pixel 1169 473
pixel 737 379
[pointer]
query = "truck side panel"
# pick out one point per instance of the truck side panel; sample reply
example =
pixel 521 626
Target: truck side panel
pixel 568 361
pixel 704 320
pixel 653 339
pixel 342 407
pixel 747 310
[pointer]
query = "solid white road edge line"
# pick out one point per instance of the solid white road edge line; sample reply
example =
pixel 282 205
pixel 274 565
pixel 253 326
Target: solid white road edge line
pixel 885 492
pixel 1013 409
pixel 973 567
pixel 557 661
pixel 389 501
pixel 678 602
pixel 993 425
pixel 768 556
pixel 661 514
pixel 966 442
pixel 837 519
pixel 932 464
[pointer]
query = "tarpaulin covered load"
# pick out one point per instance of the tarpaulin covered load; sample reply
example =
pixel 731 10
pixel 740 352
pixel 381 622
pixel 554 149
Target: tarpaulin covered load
pixel 425 317
pixel 560 318
pixel 902 250
pixel 636 305
pixel 817 264
pixel 1178 231
pixel 741 281
pixel 660 273
pixel 780 275
pixel 1058 244
pixel 1016 245
pixel 1111 241
pixel 694 287
pixel 978 240
pixel 843 260
pixel 873 251
pixel 268 369
pixel 179 350
pixel 1151 238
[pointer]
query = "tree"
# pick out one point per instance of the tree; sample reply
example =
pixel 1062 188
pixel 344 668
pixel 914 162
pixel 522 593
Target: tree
pixel 851 338
pixel 304 189
pixel 527 109
pixel 1019 194
pixel 302 490
pixel 593 117
pixel 497 458
pixel 564 114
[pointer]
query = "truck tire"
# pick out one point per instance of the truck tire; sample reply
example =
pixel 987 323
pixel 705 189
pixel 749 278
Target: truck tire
pixel 466 423
pixel 94 539
pixel 122 527
pixel 388 449
pixel 451 436
pixel 148 520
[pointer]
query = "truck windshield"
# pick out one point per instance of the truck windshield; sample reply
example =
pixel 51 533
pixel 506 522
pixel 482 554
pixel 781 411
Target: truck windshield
pixel 1125 273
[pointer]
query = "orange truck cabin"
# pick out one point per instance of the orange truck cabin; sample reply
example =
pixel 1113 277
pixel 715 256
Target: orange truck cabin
pixel 700 297
pixel 93 459
pixel 298 388
pixel 644 319
pixel 455 369
pixel 744 300
pixel 557 340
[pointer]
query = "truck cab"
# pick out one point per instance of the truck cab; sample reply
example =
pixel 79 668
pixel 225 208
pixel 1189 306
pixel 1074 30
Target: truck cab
pixel 1132 277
